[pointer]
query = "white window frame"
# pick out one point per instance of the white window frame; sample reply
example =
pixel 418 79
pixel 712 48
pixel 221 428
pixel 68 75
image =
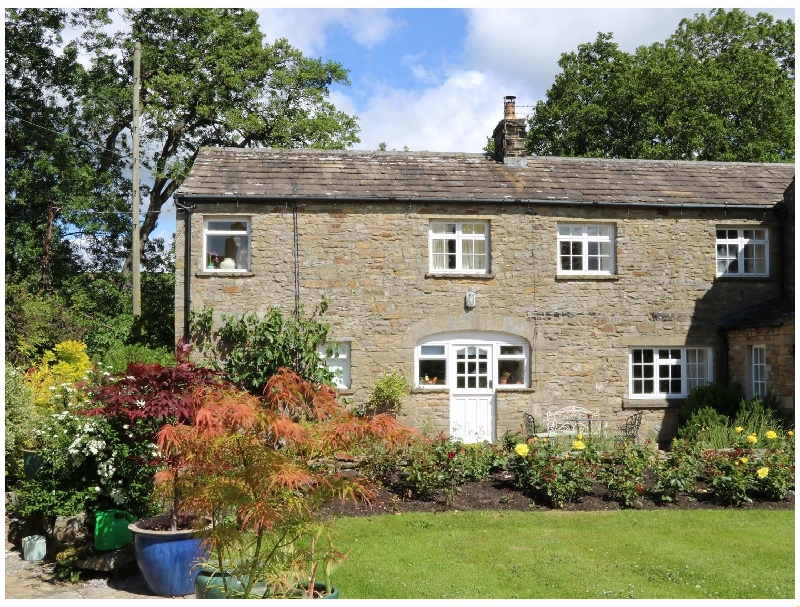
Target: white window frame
pixel 734 252
pixel 215 233
pixel 461 241
pixel 659 364
pixel 757 371
pixel 451 341
pixel 335 356
pixel 584 235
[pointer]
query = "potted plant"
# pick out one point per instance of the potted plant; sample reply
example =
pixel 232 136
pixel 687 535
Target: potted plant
pixel 255 468
pixel 143 399
pixel 505 376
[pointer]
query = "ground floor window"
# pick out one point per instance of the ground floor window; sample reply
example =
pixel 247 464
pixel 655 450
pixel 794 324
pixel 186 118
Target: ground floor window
pixel 668 372
pixel 757 371
pixel 336 357
pixel 472 361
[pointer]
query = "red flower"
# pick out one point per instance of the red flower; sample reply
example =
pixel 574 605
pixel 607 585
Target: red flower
pixel 451 455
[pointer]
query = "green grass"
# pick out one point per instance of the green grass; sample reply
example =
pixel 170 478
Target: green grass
pixel 699 554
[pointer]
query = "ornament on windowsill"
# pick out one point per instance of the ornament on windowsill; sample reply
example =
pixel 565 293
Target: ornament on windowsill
pixel 227 264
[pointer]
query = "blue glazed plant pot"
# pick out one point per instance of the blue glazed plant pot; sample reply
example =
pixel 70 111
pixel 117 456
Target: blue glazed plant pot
pixel 167 559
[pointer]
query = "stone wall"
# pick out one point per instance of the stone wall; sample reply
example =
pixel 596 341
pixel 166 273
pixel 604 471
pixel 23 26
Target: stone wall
pixel 371 262
pixel 778 343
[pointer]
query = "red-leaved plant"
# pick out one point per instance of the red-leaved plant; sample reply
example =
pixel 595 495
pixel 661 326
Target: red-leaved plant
pixel 250 466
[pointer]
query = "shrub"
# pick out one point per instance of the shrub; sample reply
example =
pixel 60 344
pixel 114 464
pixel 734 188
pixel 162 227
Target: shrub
pixel 729 475
pixel 54 380
pixel 544 471
pixel 624 473
pixel 117 358
pixel 758 417
pixel 722 399
pixel 388 395
pixel 775 474
pixel 704 423
pixel 677 472
pixel 21 418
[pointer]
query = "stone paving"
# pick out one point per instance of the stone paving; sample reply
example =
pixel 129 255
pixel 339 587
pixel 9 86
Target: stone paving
pixel 34 580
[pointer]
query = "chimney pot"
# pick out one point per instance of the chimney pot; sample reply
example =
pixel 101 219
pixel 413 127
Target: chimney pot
pixel 510 107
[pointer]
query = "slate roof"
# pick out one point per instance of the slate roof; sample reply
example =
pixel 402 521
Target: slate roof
pixel 372 175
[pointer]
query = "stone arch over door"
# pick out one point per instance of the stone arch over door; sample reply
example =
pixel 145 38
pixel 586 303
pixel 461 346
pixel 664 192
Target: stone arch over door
pixel 468 322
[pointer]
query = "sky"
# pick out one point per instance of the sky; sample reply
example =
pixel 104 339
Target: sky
pixel 435 79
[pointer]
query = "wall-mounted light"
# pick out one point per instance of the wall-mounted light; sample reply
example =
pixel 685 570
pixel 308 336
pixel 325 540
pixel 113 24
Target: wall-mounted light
pixel 469 300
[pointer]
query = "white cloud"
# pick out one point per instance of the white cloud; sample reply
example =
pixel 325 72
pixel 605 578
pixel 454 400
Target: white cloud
pixel 306 29
pixel 456 116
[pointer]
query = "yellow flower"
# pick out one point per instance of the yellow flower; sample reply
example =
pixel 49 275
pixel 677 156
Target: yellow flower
pixel 743 460
pixel 544 440
pixel 579 437
pixel 770 434
pixel 578 445
pixel 790 433
pixel 752 439
pixel 762 472
pixel 522 449
pixel 566 456
pixel 738 429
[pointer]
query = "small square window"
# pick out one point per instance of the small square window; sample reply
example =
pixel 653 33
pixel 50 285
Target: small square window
pixel 226 244
pixel 742 252
pixel 585 249
pixel 459 246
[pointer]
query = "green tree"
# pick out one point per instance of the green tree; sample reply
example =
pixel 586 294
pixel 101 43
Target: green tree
pixel 209 79
pixel 720 88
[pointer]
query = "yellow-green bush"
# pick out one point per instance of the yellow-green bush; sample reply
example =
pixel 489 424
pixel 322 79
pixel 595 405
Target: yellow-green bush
pixel 56 380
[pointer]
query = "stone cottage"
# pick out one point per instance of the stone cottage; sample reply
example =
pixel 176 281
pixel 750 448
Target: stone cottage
pixel 499 285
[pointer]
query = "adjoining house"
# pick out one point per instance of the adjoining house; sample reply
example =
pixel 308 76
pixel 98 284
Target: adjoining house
pixel 502 285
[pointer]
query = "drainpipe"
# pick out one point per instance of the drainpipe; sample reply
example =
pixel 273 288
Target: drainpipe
pixel 187 272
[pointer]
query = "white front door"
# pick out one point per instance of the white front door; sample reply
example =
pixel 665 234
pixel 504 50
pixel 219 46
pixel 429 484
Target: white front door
pixel 472 394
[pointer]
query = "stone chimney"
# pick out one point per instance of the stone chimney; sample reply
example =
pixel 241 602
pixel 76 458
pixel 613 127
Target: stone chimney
pixel 509 136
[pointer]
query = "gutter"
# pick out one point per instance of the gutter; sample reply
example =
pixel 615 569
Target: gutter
pixel 507 200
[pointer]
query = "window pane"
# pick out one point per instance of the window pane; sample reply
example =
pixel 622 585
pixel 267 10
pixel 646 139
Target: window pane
pixel 509 350
pixel 227 225
pixel 432 350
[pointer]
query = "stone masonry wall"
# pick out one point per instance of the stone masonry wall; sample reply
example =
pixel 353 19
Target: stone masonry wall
pixel 779 346
pixel 371 262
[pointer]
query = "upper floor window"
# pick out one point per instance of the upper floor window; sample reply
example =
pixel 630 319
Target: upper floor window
pixel 668 372
pixel 742 252
pixel 585 249
pixel 226 244
pixel 459 246
pixel 336 357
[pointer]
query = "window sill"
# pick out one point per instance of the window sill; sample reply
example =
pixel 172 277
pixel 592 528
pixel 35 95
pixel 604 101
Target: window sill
pixel 232 274
pixel 652 403
pixel 746 278
pixel 459 275
pixel 422 390
pixel 566 277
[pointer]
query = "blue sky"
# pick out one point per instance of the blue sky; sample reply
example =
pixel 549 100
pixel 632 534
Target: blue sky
pixel 434 79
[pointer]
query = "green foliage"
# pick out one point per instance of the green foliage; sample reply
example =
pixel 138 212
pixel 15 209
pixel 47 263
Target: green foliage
pixel 21 418
pixel 777 479
pixel 118 357
pixel 90 464
pixel 252 349
pixel 624 473
pixel 59 379
pixel 676 473
pixel 720 88
pixel 701 423
pixel 388 395
pixel 723 399
pixel 547 473
pixel 729 475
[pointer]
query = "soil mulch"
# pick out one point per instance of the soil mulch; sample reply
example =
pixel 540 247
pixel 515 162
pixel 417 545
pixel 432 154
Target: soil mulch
pixel 498 493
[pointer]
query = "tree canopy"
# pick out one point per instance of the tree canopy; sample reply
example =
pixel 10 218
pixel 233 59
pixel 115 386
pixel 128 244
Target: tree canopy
pixel 720 88
pixel 208 77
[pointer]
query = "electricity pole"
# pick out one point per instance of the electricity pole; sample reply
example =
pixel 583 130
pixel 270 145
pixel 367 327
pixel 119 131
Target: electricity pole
pixel 136 246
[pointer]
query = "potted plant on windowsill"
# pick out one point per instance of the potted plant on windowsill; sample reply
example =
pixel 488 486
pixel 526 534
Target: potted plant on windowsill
pixel 505 376
pixel 430 381
pixel 254 467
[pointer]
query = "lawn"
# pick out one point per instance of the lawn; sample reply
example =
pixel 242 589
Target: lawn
pixel 676 554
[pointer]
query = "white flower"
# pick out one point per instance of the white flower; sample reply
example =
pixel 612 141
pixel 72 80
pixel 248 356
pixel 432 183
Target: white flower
pixel 97 489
